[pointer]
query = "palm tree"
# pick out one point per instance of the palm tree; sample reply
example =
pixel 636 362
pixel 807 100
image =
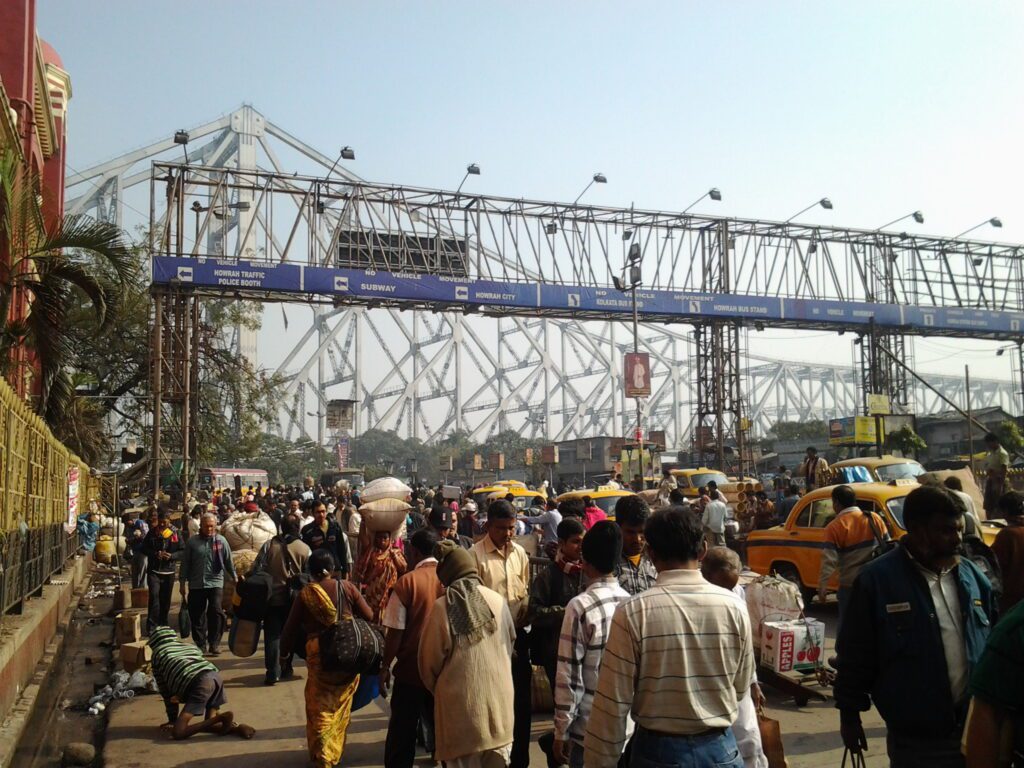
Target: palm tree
pixel 81 258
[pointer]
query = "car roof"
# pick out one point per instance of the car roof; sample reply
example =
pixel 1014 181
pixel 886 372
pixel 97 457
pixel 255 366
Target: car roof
pixel 515 490
pixel 696 470
pixel 875 461
pixel 882 491
pixel 594 494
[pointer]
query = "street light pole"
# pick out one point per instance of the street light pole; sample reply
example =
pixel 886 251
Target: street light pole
pixel 639 406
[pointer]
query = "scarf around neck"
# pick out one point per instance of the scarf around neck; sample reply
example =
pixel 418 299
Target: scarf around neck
pixel 470 619
pixel 568 567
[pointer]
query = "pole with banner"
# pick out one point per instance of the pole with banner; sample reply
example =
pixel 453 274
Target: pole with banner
pixel 637 375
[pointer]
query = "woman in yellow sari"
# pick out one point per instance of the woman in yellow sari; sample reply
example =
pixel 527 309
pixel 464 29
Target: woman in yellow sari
pixel 328 694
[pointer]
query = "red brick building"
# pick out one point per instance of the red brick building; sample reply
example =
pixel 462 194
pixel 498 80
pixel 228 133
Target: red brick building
pixel 34 92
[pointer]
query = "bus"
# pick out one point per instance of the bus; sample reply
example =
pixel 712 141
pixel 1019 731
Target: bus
pixel 211 478
pixel 352 476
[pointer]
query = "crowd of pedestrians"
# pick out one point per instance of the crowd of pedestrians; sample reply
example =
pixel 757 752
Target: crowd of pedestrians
pixel 638 623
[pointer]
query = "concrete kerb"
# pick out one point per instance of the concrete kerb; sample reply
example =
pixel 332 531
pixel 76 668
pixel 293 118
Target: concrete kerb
pixel 29 646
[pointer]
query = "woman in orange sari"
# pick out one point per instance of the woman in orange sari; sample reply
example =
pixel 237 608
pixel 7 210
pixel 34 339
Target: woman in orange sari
pixel 377 571
pixel 328 694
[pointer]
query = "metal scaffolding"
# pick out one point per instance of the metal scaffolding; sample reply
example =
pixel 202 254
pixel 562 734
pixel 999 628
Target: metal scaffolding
pixel 424 370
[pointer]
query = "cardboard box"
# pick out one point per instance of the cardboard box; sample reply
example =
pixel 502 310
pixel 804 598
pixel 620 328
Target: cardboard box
pixel 123 597
pixel 135 655
pixel 140 597
pixel 788 646
pixel 127 627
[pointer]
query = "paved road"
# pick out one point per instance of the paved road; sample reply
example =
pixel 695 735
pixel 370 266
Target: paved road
pixel 134 741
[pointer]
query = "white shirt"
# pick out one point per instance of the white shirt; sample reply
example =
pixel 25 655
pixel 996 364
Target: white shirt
pixel 745 728
pixel 715 515
pixel 395 613
pixel 969 504
pixel 946 599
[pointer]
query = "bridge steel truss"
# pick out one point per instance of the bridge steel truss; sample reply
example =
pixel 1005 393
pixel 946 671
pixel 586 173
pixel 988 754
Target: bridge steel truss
pixel 426 369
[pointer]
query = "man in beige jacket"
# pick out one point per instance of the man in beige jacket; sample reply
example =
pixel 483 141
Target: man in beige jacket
pixel 464 660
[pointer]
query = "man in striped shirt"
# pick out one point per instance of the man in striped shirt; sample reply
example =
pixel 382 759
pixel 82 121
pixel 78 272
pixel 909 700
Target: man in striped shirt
pixel 185 678
pixel 584 631
pixel 678 658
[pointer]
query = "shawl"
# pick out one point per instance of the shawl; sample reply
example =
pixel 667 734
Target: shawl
pixel 469 617
pixel 377 573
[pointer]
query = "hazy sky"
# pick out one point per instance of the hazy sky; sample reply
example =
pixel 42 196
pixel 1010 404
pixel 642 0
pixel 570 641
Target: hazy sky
pixel 884 107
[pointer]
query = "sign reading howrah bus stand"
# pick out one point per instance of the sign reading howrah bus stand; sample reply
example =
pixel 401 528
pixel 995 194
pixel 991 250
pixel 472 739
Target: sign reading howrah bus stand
pixel 852 430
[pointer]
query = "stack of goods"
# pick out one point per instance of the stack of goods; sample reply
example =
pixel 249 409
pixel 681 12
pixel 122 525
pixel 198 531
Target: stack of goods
pixel 248 530
pixel 770 598
pixel 385 504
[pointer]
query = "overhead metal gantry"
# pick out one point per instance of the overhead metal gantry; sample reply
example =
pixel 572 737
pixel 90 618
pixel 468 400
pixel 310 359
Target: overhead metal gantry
pixel 426 363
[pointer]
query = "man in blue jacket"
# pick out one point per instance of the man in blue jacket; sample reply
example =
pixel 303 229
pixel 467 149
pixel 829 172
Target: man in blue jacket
pixel 915 627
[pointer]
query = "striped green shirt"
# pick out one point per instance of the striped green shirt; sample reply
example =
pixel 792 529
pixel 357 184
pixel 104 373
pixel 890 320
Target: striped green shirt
pixel 176 665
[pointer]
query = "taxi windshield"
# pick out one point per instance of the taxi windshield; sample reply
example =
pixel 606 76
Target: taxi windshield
pixel 907 470
pixel 607 504
pixel 895 507
pixel 703 478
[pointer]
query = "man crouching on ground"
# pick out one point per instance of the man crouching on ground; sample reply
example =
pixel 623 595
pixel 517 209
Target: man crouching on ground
pixel 184 677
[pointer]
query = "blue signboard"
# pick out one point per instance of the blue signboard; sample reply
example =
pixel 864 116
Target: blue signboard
pixel 227 274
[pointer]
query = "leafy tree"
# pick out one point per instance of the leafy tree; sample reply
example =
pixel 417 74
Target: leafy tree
pixel 236 400
pixel 905 440
pixel 1010 437
pixel 815 429
pixel 79 263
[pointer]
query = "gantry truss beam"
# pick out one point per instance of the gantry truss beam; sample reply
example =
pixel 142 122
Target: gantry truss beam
pixel 424 372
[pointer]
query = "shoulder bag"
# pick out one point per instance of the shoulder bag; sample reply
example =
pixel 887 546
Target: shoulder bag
pixel 351 645
pixel 881 545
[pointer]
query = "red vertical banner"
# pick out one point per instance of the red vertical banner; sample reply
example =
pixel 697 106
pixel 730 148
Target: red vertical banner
pixel 637 374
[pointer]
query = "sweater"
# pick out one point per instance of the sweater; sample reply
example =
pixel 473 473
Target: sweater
pixel 482 720
pixel 417 591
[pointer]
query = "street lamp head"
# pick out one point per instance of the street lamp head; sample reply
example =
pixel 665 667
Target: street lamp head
pixel 347 153
pixel 181 137
pixel 996 222
pixel 617 282
pixel 551 228
pixel 825 203
pixel 600 178
pixel 241 205
pixel 634 253
pixel 715 194
pixel 197 207
pixel 918 217
pixel 634 275
pixel 627 235
pixel 473 169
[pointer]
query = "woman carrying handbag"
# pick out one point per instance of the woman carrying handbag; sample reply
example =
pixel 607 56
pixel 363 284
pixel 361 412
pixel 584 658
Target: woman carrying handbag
pixel 328 694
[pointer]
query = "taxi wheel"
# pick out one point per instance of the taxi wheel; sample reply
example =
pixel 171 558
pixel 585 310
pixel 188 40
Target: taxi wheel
pixel 789 572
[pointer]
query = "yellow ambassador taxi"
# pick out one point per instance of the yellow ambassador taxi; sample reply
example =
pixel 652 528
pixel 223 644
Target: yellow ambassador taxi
pixel 689 481
pixel 793 549
pixel 884 469
pixel 480 495
pixel 523 498
pixel 605 497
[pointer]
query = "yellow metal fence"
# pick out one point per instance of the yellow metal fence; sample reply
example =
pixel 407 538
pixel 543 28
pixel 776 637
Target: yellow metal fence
pixel 35 469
